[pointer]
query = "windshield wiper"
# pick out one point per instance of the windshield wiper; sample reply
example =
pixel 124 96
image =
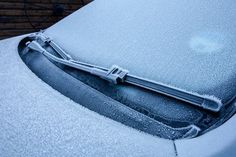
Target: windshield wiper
pixel 118 75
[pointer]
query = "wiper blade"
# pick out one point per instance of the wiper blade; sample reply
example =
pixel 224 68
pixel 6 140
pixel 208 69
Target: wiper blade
pixel 118 75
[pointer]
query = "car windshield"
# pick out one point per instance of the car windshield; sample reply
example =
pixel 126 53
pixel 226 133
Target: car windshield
pixel 156 43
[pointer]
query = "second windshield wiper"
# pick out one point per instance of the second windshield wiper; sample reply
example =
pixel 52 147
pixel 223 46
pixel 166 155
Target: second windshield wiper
pixel 118 75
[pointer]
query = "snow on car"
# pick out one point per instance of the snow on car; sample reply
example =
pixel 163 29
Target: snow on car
pixel 123 78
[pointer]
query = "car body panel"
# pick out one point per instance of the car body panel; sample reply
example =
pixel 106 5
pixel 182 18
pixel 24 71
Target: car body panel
pixel 220 142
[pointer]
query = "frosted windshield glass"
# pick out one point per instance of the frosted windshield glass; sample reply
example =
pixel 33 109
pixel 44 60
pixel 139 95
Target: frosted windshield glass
pixel 190 45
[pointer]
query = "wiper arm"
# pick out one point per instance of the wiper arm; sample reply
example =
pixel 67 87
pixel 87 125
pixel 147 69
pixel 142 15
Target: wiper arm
pixel 118 75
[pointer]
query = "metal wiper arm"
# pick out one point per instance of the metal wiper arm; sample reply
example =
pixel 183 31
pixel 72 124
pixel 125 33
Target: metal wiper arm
pixel 118 75
pixel 45 39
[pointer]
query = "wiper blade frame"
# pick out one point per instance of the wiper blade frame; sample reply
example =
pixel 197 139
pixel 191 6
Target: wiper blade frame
pixel 118 75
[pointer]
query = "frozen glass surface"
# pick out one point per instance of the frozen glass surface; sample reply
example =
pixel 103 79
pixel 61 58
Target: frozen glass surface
pixel 187 44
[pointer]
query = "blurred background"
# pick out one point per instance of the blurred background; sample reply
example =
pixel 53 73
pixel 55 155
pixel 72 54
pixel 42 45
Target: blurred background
pixel 24 16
